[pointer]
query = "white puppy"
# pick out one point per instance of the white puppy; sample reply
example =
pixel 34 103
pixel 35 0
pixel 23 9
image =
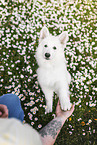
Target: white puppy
pixel 52 72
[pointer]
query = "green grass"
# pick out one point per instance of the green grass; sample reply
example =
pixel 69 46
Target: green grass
pixel 20 24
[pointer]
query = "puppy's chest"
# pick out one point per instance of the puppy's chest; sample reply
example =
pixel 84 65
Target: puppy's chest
pixel 49 76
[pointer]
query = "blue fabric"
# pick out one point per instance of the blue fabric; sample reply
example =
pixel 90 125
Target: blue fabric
pixel 14 106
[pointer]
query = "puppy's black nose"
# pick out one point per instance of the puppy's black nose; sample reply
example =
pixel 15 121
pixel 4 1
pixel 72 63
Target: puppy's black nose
pixel 47 55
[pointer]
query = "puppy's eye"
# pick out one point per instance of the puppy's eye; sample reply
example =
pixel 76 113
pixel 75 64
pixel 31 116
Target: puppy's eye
pixel 45 45
pixel 54 48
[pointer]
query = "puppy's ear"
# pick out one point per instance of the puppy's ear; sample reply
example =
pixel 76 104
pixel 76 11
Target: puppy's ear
pixel 63 37
pixel 43 33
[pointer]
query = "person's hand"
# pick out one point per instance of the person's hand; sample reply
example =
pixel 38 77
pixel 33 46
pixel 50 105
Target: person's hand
pixel 63 114
pixel 3 111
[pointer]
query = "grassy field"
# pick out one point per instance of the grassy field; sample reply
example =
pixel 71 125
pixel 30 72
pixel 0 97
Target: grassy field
pixel 20 25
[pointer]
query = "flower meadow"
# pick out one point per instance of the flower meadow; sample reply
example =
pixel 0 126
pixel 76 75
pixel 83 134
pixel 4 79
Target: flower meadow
pixel 20 25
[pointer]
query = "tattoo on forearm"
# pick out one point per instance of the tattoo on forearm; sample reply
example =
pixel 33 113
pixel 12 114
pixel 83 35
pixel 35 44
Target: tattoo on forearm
pixel 51 128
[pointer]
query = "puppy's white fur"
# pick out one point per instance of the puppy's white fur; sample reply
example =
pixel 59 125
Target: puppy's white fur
pixel 52 71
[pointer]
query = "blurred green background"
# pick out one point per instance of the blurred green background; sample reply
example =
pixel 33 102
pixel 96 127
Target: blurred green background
pixel 20 25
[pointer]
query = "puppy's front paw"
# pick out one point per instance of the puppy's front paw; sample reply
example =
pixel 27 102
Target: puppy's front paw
pixel 66 105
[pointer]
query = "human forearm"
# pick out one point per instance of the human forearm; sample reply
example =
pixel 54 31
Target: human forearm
pixel 50 132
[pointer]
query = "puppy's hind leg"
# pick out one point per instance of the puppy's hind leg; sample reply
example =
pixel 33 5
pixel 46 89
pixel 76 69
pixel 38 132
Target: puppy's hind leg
pixel 49 99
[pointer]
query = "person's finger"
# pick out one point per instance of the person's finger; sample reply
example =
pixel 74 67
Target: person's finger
pixel 0 113
pixel 58 104
pixel 4 111
pixel 71 110
pixel 58 109
pixel 5 114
